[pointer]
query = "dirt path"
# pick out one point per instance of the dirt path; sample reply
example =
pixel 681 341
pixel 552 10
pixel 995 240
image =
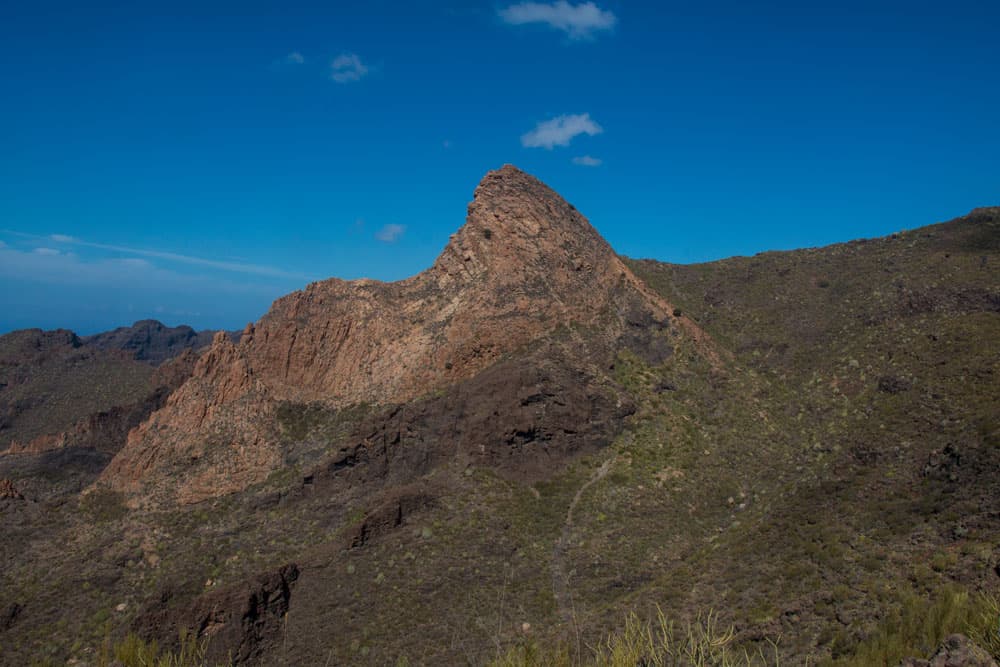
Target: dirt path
pixel 560 578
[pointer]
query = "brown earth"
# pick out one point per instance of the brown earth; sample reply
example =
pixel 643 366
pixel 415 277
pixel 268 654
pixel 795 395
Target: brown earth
pixel 49 380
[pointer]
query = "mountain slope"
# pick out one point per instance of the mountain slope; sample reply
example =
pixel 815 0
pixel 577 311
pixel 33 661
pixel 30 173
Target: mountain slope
pixel 883 356
pixel 50 379
pixel 824 453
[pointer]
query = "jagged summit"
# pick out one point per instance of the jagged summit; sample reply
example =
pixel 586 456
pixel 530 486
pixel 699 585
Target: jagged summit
pixel 516 225
pixel 524 264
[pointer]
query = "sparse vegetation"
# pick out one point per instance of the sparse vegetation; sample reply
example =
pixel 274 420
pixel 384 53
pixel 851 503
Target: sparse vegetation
pixel 845 453
pixel 131 651
pixel 919 626
pixel 652 643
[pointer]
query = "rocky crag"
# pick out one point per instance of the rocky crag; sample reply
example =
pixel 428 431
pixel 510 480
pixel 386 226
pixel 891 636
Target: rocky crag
pixel 525 264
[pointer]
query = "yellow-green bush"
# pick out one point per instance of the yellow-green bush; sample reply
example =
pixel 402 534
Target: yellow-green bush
pixel 658 643
pixel 919 627
pixel 135 652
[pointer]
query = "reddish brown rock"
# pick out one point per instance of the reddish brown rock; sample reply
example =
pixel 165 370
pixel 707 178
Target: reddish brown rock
pixel 8 491
pixel 524 264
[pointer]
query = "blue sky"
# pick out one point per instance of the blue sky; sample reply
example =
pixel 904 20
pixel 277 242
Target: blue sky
pixel 193 161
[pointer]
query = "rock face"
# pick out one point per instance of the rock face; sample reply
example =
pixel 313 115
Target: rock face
pixel 525 264
pixel 956 651
pixel 236 623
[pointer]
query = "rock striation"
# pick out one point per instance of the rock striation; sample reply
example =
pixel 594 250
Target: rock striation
pixel 525 264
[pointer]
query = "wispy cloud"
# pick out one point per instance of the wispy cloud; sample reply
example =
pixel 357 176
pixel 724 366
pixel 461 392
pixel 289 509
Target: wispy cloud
pixel 577 21
pixel 390 233
pixel 347 67
pixel 559 131
pixel 293 59
pixel 61 268
pixel 235 267
pixel 587 161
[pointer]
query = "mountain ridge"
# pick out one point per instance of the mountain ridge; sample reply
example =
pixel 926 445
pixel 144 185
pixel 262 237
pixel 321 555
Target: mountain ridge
pixel 525 263
pixel 828 471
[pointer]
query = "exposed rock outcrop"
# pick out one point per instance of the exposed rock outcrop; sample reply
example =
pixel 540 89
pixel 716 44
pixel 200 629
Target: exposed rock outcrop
pixel 236 623
pixel 956 651
pixel 8 491
pixel 525 264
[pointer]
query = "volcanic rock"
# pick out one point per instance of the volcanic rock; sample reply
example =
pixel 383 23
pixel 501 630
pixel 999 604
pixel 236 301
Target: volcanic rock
pixel 525 264
pixel 235 623
pixel 8 491
pixel 956 651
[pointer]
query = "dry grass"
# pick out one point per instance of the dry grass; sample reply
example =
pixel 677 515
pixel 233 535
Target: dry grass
pixel 656 643
pixel 919 627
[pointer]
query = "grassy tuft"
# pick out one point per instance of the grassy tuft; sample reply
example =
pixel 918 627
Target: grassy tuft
pixel 659 643
pixel 135 652
pixel 919 627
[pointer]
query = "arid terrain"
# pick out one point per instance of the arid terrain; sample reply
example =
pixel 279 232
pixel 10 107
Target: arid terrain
pixel 517 447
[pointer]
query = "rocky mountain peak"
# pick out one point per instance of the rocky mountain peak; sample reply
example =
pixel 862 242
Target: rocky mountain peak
pixel 523 265
pixel 517 226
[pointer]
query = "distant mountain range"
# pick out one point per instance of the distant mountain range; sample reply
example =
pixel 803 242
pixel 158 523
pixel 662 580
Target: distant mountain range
pixel 152 341
pixel 517 447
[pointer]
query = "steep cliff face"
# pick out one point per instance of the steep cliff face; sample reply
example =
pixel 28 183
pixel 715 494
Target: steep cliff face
pixel 524 264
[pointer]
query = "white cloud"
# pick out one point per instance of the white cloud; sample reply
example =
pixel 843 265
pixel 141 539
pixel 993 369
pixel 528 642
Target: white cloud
pixel 578 21
pixel 559 131
pixel 56 268
pixel 347 67
pixel 235 267
pixel 62 238
pixel 293 59
pixel 587 161
pixel 390 233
